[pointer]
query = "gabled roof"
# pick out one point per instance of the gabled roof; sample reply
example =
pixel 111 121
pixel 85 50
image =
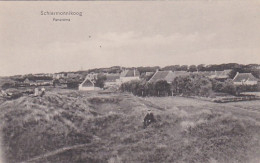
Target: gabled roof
pixel 88 82
pixel 223 74
pixel 162 75
pixel 169 76
pixel 208 73
pixel 26 80
pixel 130 73
pixel 244 77
pixel 180 73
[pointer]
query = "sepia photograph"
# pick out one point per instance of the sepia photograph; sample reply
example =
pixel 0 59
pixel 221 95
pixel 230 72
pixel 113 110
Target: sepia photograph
pixel 173 81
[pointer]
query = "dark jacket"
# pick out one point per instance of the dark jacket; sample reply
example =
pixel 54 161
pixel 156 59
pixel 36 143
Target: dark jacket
pixel 148 119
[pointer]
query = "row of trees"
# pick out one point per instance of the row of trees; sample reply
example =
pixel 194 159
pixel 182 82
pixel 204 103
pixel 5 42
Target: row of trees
pixel 187 85
pixel 253 68
pixel 250 68
pixel 191 85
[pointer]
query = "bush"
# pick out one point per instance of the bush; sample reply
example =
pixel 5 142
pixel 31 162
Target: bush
pixel 192 85
pixel 100 81
pixel 144 88
pixel 162 87
pixel 229 87
pixel 8 85
pixel 73 85
pixel 136 87
pixel 247 88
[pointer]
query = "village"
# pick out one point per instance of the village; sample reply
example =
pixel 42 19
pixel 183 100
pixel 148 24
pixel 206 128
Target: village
pixel 240 80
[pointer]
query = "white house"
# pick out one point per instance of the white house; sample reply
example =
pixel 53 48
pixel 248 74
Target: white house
pixel 129 75
pixel 245 79
pixel 89 83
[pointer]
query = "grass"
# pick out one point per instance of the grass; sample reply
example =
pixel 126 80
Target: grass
pixel 73 126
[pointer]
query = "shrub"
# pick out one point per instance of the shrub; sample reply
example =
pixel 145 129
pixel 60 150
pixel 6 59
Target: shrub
pixel 8 85
pixel 229 87
pixel 192 85
pixel 100 81
pixel 162 87
pixel 144 88
pixel 247 88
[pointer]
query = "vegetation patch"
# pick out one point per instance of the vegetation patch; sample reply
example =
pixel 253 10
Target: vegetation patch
pixel 100 100
pixel 60 127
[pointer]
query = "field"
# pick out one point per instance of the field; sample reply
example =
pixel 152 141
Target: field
pixel 70 126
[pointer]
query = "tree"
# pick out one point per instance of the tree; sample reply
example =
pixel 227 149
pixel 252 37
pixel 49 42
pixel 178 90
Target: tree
pixel 217 86
pixel 56 82
pixel 100 81
pixel 229 87
pixel 7 85
pixel 137 87
pixel 73 84
pixel 150 89
pixel 184 68
pixel 162 87
pixel 192 85
pixel 201 67
pixel 192 68
pixel 224 87
pixel 182 85
pixel 201 86
pixel 147 69
pixel 172 68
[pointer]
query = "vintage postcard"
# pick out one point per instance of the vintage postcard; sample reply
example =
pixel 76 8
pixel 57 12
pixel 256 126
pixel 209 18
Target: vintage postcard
pixel 130 81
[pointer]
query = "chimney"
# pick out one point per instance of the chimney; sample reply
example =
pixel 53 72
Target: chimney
pixel 134 72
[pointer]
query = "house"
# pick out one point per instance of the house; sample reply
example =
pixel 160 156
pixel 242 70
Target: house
pixel 245 79
pixel 89 83
pixel 27 81
pixel 206 73
pixel 149 73
pixel 22 83
pixel 220 75
pixel 129 75
pixel 58 75
pixel 73 75
pixel 112 80
pixel 169 76
pixel 162 75
pixel 35 81
pixel 41 83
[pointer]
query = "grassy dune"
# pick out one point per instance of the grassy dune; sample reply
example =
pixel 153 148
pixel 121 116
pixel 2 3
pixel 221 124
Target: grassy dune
pixel 71 126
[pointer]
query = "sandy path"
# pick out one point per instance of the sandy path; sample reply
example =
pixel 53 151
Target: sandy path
pixel 55 152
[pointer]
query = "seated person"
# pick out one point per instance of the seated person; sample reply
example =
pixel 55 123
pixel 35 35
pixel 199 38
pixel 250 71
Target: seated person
pixel 148 119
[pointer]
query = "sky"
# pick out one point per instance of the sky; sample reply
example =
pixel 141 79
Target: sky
pixel 137 33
